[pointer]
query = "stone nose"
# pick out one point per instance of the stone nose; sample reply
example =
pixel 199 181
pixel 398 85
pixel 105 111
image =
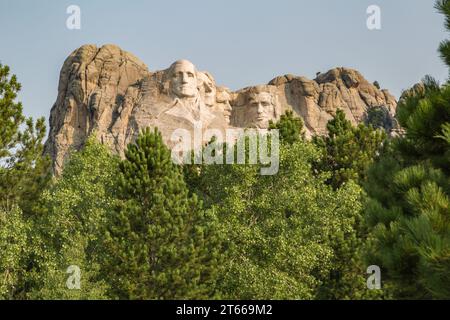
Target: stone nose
pixel 260 108
pixel 184 78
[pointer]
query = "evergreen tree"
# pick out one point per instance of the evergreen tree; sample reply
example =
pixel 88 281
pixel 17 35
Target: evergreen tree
pixel 347 151
pixel 161 243
pixel 444 7
pixel 409 199
pixel 24 172
pixel 11 116
pixel 379 117
pixel 407 213
pixel 289 126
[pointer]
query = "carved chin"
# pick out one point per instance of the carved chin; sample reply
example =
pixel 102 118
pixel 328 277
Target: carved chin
pixel 263 124
pixel 186 92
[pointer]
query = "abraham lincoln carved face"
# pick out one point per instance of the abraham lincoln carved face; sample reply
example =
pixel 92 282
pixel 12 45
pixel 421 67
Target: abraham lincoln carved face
pixel 261 108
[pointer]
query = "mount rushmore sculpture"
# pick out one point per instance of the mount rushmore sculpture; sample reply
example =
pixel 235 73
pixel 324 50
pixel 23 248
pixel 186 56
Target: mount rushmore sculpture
pixel 112 94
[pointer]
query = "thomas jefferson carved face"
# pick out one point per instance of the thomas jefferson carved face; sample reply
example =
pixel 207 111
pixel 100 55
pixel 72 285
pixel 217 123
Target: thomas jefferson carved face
pixel 207 88
pixel 261 109
pixel 183 79
pixel 223 101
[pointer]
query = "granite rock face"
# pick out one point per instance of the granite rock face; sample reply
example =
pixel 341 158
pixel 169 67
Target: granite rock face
pixel 112 94
pixel 92 86
pixel 316 101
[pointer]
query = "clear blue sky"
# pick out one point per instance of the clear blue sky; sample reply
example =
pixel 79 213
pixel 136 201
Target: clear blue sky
pixel 240 42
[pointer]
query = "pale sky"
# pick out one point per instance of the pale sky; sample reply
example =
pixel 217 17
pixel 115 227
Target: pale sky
pixel 241 43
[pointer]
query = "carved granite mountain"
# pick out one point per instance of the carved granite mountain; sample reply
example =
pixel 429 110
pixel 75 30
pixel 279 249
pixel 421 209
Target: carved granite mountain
pixel 112 94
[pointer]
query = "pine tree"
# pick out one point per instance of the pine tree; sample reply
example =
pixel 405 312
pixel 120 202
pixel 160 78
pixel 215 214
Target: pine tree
pixel 379 117
pixel 161 243
pixel 24 172
pixel 290 127
pixel 409 199
pixel 408 210
pixel 347 151
pixel 444 7
pixel 406 215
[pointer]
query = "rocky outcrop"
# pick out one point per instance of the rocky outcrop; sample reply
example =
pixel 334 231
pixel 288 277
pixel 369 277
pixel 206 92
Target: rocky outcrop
pixel 316 101
pixel 112 94
pixel 92 88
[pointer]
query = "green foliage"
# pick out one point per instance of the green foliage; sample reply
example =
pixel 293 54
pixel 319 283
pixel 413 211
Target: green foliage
pixel 407 213
pixel 444 7
pixel 380 118
pixel 348 151
pixel 70 225
pixel 10 112
pixel 13 249
pixel 285 230
pixel 23 175
pixel 408 218
pixel 424 117
pixel 24 172
pixel 289 126
pixel 160 242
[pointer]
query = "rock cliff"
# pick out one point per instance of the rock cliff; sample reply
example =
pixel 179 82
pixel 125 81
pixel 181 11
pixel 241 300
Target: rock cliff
pixel 111 93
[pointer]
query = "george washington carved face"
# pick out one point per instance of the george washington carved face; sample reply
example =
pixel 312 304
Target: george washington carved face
pixel 183 79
